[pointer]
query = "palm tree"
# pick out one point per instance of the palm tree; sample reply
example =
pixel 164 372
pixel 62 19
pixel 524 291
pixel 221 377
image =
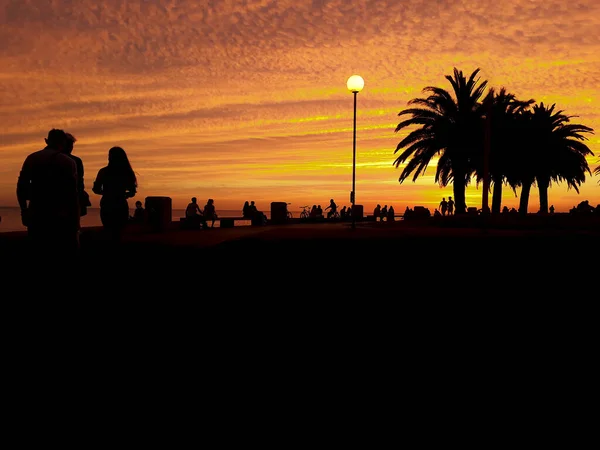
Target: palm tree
pixel 501 109
pixel 448 127
pixel 597 172
pixel 555 152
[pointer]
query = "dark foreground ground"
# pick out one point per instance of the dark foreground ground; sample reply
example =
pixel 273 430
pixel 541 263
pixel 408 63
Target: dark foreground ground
pixel 305 313
pixel 449 257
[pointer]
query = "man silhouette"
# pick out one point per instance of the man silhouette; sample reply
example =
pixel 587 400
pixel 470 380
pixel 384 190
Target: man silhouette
pixel 332 208
pixel 194 214
pixel 443 206
pixel 450 206
pixel 48 197
pixel 84 197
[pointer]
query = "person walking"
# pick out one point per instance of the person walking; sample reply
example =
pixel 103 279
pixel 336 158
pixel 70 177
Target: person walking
pixel 49 200
pixel 443 206
pixel 450 206
pixel 116 182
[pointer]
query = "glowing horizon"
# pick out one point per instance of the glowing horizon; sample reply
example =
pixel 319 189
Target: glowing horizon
pixel 247 100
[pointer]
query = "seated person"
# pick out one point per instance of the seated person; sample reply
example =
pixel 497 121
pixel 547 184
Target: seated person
pixel 257 216
pixel 210 212
pixel 139 214
pixel 247 212
pixel 193 213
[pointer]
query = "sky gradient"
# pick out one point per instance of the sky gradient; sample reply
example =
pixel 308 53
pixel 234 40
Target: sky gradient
pixel 246 100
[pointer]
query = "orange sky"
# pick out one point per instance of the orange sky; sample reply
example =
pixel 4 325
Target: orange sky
pixel 247 100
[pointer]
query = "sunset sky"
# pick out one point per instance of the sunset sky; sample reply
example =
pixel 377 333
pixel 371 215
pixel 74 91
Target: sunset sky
pixel 246 99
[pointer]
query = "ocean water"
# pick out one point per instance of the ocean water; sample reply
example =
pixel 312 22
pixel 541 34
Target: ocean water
pixel 11 218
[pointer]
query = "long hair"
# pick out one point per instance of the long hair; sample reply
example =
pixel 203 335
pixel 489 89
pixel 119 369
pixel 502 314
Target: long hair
pixel 118 163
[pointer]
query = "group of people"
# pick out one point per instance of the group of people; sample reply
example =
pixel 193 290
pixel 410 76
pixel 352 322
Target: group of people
pixel 384 213
pixel 447 206
pixel 251 212
pixel 199 216
pixel 584 208
pixel 317 212
pixel 52 197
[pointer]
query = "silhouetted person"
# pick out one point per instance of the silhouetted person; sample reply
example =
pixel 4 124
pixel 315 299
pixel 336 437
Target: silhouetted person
pixel 332 208
pixel 194 214
pixel 258 218
pixel 84 197
pixel 376 212
pixel 49 201
pixel 383 214
pixel 437 213
pixel 313 211
pixel 193 209
pixel 139 214
pixel 343 212
pixel 584 207
pixel 551 209
pixel 505 210
pixel 115 182
pixel 443 206
pixel 246 211
pixel 209 212
pixel 391 215
pixel 319 211
pixel 450 206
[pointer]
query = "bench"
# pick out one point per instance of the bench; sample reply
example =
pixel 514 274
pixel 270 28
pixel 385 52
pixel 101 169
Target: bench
pixel 224 222
pixel 186 223
pixel 229 222
pixel 371 218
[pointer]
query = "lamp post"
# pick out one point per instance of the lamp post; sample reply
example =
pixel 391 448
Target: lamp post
pixel 355 84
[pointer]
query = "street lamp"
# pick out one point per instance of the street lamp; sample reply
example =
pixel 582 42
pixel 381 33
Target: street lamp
pixel 355 84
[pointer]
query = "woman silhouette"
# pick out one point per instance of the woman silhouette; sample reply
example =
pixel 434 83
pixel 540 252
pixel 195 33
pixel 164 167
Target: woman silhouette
pixel 115 182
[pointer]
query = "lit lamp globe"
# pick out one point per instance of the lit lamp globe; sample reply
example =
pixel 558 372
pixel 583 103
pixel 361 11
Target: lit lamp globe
pixel 355 83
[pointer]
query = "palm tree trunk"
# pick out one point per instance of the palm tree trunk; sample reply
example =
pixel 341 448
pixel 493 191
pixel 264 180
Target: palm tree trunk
pixel 524 200
pixel 497 197
pixel 459 187
pixel 543 190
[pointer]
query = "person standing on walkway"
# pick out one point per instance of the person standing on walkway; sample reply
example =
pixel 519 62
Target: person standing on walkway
pixel 383 214
pixel 391 215
pixel 49 200
pixel 377 212
pixel 115 182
